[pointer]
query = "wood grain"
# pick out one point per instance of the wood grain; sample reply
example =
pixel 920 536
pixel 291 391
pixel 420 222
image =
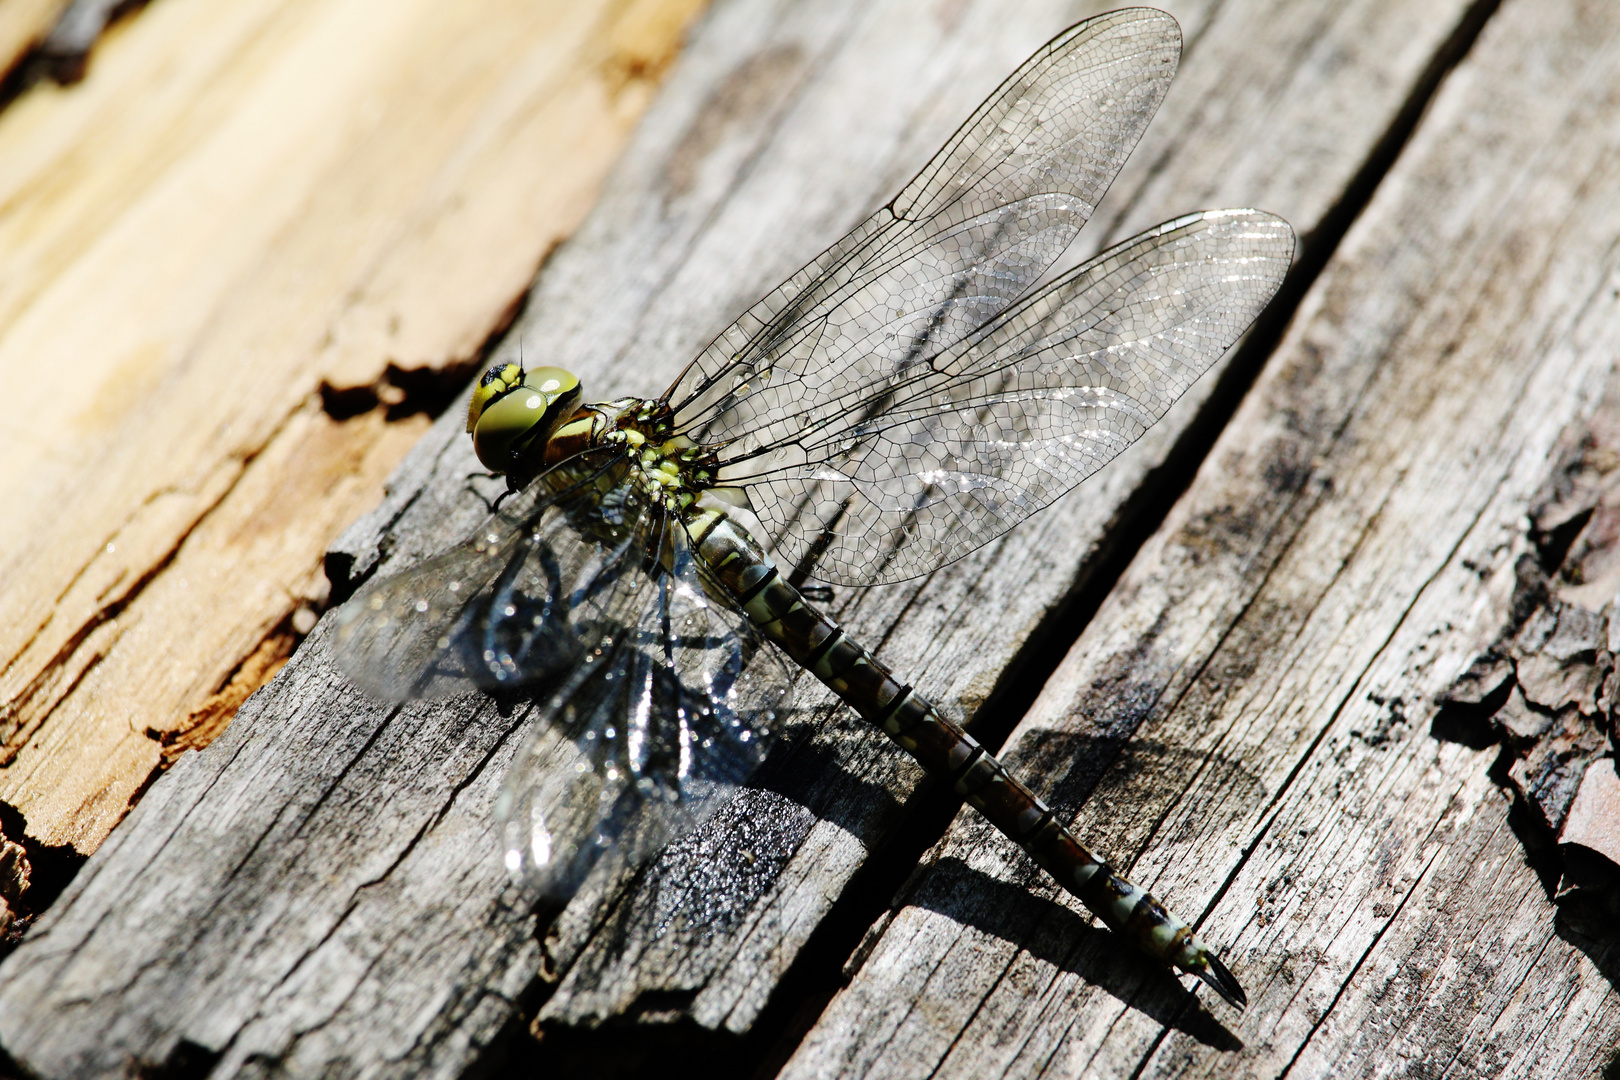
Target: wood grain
pixel 318 891
pixel 956 633
pixel 240 205
pixel 23 25
pixel 1255 698
pixel 1545 692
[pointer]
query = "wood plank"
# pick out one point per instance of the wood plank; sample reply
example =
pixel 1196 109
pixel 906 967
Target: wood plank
pixel 961 651
pixel 319 887
pixel 240 205
pixel 23 25
pixel 1544 689
pixel 1247 721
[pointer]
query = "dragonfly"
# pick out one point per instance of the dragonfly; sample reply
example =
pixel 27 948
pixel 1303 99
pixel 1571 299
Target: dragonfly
pixel 909 395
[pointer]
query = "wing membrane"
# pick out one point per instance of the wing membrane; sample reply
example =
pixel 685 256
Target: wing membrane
pixel 518 602
pixel 973 231
pixel 944 457
pixel 901 400
pixel 648 735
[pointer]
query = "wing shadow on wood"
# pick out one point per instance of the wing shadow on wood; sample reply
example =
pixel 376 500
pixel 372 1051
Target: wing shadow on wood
pixel 705 883
pixel 809 772
pixel 1056 934
pixel 1073 765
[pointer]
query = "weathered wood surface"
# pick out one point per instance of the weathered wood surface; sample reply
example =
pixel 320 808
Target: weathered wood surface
pixel 239 204
pixel 318 891
pixel 1248 717
pixel 1545 690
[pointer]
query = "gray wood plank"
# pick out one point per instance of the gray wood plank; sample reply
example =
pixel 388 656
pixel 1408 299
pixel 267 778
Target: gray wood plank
pixel 1544 691
pixel 318 890
pixel 1248 718
pixel 960 651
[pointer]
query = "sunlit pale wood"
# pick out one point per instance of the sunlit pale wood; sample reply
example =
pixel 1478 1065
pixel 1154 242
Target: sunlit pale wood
pixel 240 202
pixel 23 24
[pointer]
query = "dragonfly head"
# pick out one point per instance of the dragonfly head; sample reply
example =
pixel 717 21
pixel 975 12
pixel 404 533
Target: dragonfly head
pixel 513 409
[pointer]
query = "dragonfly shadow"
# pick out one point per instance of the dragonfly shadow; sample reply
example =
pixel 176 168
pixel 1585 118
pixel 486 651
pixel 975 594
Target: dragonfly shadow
pixel 1057 935
pixel 814 773
pixel 1075 764
pixel 510 703
pixel 491 502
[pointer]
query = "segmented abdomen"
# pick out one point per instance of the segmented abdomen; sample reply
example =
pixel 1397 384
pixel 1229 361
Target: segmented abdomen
pixel 812 639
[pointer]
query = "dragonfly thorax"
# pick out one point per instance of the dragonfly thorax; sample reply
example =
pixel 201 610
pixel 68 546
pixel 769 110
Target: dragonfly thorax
pixel 524 423
pixel 669 468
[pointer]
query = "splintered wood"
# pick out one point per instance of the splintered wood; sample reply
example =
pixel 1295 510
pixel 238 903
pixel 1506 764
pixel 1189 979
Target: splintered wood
pixel 1247 724
pixel 243 205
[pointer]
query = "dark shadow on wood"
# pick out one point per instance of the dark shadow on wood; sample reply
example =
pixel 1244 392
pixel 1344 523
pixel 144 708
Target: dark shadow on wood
pixel 1540 853
pixel 620 1051
pixel 420 391
pixel 187 1061
pixel 1054 933
pixel 809 774
pixel 1589 910
pixel 1468 723
pixel 1605 956
pixel 10 1070
pixel 654 1036
pixel 63 57
pixel 52 868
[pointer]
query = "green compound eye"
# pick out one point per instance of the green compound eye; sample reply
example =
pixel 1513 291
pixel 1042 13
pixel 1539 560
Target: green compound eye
pixel 496 381
pixel 513 409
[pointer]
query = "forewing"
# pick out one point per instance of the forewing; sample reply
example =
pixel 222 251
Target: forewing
pixel 516 604
pixel 933 464
pixel 972 232
pixel 645 738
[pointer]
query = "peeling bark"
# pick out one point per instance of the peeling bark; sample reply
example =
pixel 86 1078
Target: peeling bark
pixel 1546 688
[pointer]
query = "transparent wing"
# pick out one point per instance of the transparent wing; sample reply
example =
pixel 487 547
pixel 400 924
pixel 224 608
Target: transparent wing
pixel 936 461
pixel 646 737
pixel 518 603
pixel 971 233
pixel 656 701
pixel 975 229
pixel 791 395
